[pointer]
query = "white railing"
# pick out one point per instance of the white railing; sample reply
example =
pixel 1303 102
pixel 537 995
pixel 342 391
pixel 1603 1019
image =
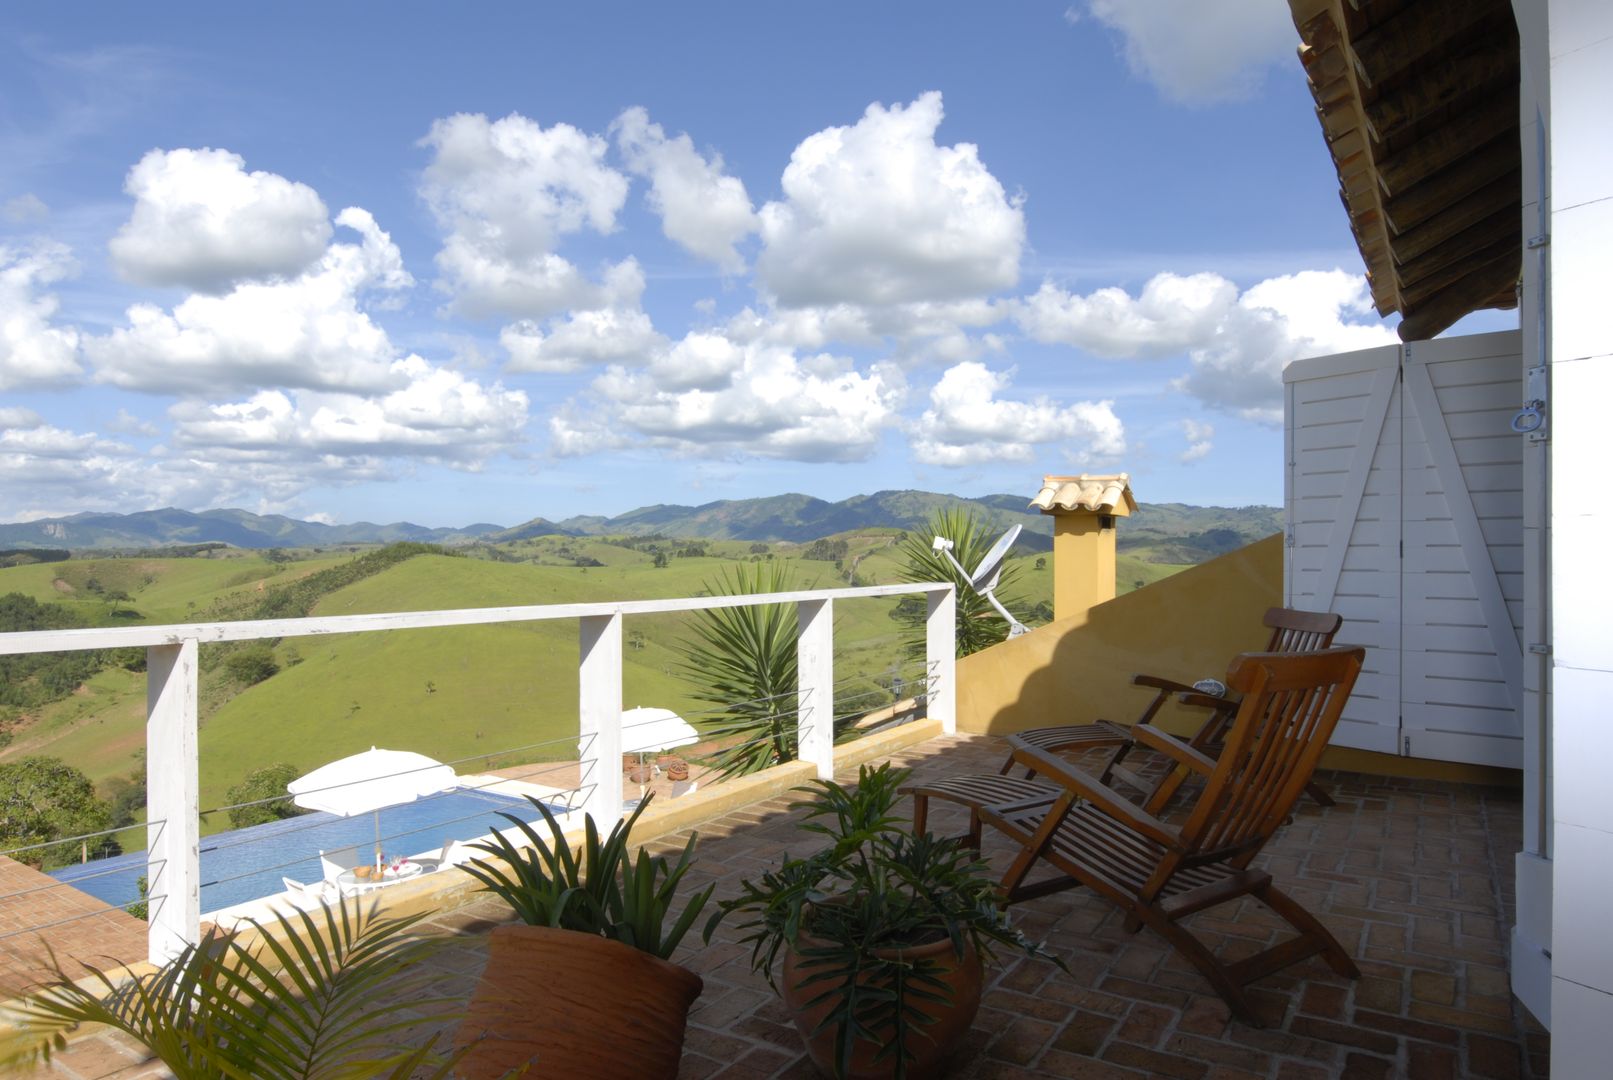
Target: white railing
pixel 172 809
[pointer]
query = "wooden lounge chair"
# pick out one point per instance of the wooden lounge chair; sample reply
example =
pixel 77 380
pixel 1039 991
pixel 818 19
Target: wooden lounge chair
pixel 1157 873
pixel 1291 631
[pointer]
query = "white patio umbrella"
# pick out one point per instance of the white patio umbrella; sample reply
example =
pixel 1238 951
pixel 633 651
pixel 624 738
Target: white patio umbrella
pixel 368 782
pixel 649 731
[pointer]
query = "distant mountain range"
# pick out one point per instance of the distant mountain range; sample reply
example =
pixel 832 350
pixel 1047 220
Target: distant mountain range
pixel 795 518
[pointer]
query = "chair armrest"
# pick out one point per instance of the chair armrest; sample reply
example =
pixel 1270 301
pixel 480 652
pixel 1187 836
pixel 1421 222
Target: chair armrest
pixel 1090 788
pixel 1168 744
pixel 1206 701
pixel 1156 682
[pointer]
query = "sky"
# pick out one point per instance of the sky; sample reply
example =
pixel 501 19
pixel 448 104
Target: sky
pixel 483 263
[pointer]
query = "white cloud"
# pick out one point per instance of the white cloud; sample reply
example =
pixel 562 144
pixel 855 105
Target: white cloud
pixel 436 414
pixel 309 331
pixel 45 469
pixel 16 418
pixel 1237 344
pixel 34 351
pixel 126 423
pixel 618 333
pixel 967 424
pixel 709 397
pixel 878 214
pixel 1198 435
pixel 506 192
pixel 25 209
pixel 1194 56
pixel 203 222
pixel 701 208
pixel 1171 314
pixel 1240 369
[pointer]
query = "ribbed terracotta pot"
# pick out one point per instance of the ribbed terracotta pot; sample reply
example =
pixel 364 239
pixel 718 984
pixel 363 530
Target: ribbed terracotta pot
pixel 575 1004
pixel 932 1049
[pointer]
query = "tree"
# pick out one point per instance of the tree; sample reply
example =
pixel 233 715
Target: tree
pixel 743 661
pixel 268 783
pixel 978 624
pixel 252 664
pixel 44 799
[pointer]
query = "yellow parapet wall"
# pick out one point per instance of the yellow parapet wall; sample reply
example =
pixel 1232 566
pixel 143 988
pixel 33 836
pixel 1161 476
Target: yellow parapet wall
pixel 1185 627
pixel 1078 669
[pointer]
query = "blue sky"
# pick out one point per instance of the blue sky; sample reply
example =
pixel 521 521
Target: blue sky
pixel 408 261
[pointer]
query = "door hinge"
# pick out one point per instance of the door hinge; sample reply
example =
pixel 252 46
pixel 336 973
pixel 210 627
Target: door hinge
pixel 1408 745
pixel 1540 650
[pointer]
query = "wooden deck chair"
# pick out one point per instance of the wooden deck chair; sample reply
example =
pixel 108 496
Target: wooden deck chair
pixel 1291 631
pixel 1157 873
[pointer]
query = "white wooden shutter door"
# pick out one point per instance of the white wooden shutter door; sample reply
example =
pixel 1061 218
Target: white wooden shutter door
pixel 1462 580
pixel 1342 503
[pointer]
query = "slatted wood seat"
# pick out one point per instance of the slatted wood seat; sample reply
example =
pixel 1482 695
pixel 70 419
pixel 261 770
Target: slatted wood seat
pixel 1291 631
pixel 1159 874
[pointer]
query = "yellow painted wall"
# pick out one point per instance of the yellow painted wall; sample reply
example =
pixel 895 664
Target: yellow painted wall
pixel 1083 563
pixel 1186 627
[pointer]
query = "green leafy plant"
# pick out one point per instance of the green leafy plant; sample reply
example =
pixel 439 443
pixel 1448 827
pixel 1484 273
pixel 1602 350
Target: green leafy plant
pixel 978 625
pixel 321 994
pixel 743 661
pixel 876 886
pixel 599 890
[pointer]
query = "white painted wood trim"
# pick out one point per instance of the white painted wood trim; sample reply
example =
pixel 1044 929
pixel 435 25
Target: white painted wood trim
pixel 941 657
pixel 815 685
pixel 173 870
pixel 599 716
pixel 121 637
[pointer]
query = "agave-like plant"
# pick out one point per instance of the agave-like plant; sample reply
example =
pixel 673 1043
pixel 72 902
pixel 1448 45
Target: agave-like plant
pixel 743 661
pixel 599 890
pixel 322 995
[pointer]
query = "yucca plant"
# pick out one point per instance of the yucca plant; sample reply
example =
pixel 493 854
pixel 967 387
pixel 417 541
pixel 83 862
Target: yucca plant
pixel 743 661
pixel 978 624
pixel 598 890
pixel 323 994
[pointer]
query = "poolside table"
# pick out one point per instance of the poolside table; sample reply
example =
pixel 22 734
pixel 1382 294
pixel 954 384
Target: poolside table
pixel 350 884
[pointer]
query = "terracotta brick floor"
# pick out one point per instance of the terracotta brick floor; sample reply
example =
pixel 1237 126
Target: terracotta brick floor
pixel 1413 876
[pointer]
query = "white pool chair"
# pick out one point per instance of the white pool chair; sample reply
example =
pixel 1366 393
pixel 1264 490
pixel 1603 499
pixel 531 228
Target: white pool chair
pixel 335 862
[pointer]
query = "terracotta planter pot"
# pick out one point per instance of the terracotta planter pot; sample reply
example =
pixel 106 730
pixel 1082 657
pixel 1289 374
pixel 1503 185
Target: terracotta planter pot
pixel 677 769
pixel 932 1048
pixel 575 1005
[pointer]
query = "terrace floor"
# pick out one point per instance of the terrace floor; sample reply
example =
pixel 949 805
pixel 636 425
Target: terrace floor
pixel 1415 877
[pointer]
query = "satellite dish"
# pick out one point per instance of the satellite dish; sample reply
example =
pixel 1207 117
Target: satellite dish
pixel 983 579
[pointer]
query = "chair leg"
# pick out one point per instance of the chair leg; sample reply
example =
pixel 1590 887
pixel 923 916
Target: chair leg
pixel 921 812
pixel 1193 950
pixel 1317 792
pixel 1310 928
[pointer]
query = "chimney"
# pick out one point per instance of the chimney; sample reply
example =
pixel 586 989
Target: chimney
pixel 1085 510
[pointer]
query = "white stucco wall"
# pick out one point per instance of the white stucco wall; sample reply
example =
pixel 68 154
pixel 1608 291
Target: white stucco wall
pixel 1580 47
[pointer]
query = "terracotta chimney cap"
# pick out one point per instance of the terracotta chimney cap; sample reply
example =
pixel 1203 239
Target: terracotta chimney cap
pixel 1106 494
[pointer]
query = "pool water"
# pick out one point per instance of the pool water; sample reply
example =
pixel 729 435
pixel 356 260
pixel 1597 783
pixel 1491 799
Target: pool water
pixel 247 864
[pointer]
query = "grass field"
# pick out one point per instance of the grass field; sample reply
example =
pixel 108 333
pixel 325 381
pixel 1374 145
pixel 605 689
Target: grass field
pixel 498 695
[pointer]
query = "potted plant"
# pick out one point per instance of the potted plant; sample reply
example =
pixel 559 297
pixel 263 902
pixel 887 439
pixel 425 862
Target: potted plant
pixel 583 985
pixel 883 933
pixel 314 994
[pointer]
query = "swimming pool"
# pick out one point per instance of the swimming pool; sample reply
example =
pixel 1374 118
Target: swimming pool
pixel 247 864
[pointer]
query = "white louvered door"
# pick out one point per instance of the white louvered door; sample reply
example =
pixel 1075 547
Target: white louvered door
pixel 1404 504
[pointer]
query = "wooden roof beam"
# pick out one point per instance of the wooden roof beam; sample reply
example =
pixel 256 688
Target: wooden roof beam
pixel 1475 238
pixel 1459 217
pixel 1488 65
pixel 1452 140
pixel 1412 297
pixel 1395 44
pixel 1468 294
pixel 1493 160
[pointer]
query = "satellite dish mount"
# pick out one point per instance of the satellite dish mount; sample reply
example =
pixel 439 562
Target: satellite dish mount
pixel 984 578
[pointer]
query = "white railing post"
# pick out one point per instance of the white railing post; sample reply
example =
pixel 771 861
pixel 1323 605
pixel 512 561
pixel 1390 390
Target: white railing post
pixel 940 657
pixel 815 694
pixel 599 716
pixel 173 875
